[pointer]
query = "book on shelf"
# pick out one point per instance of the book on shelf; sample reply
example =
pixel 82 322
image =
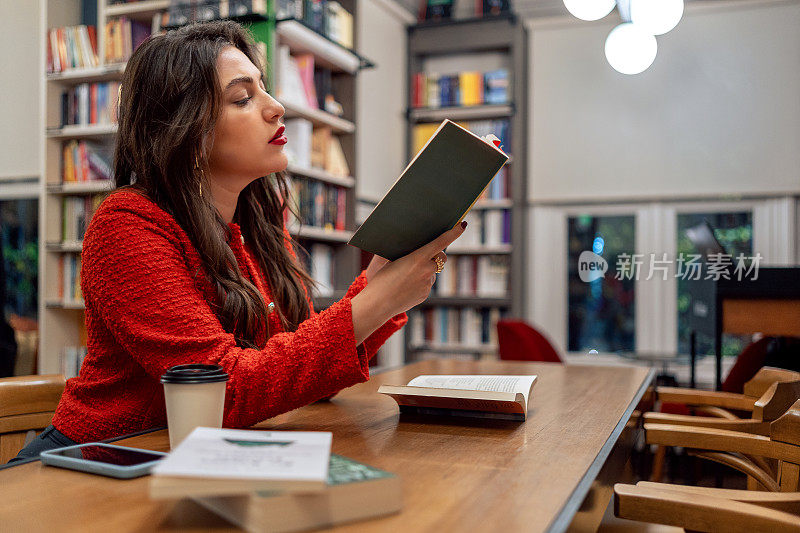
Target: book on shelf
pixel 71 360
pixel 442 325
pixel 83 161
pixel 214 462
pixel 89 104
pixel 183 12
pixel 436 10
pixel 484 276
pixel 305 67
pixel 503 397
pixel 354 491
pixel 71 47
pixel 319 264
pixel 69 282
pixel 468 88
pixel 76 213
pixel 122 36
pixel 485 228
pixel 501 128
pixel 318 204
pixel 435 191
pixel 493 7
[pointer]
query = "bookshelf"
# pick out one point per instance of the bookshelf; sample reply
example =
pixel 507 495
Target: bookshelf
pixel 448 48
pixel 62 314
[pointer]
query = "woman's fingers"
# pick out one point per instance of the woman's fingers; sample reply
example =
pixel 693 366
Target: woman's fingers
pixel 443 241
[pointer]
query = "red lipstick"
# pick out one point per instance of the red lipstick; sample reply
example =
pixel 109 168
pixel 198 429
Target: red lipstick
pixel 279 137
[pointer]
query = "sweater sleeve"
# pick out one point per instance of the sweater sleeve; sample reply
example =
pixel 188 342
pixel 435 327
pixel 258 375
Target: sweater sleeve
pixel 137 277
pixel 372 343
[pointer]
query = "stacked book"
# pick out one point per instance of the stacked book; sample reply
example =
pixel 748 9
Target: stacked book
pixel 461 89
pixel 69 286
pixel 71 47
pixel 319 263
pixel 274 480
pixel 185 11
pixel 302 84
pixel 311 147
pixel 76 212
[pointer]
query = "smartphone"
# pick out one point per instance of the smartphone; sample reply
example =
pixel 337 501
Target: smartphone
pixel 104 459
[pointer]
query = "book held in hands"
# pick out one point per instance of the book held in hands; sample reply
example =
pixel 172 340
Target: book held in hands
pixel 495 396
pixel 434 192
pixel 212 461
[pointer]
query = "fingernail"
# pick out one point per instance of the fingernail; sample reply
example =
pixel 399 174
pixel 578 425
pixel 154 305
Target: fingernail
pixel 464 224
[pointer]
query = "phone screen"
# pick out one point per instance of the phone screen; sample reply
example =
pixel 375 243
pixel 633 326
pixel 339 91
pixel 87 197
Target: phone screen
pixel 110 455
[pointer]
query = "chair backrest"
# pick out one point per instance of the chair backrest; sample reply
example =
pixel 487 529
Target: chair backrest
pixel 765 377
pixel 518 341
pixel 26 403
pixel 779 397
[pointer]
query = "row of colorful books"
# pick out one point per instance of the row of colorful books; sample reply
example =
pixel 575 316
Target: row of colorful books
pixel 462 89
pixel 185 11
pixel 327 17
pixel 498 127
pixel 300 83
pixel 71 47
pixel 69 283
pixel 453 325
pixel 484 276
pixel 485 227
pixel 311 147
pixel 122 36
pixel 500 186
pixel 76 212
pixel 318 204
pixel 90 103
pixel 85 161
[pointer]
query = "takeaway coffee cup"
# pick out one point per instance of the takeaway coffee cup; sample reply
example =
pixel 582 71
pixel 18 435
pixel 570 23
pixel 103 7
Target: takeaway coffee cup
pixel 195 396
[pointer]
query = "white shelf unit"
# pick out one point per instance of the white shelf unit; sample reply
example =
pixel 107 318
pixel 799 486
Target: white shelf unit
pixel 320 175
pixel 61 320
pixel 302 40
pixel 318 117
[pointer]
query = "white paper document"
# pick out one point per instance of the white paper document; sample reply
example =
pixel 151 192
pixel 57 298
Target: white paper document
pixel 520 384
pixel 250 454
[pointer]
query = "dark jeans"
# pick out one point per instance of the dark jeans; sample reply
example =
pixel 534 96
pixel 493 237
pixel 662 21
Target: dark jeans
pixel 48 439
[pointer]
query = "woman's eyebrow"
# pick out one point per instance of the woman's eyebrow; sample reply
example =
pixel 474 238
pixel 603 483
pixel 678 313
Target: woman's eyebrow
pixel 237 80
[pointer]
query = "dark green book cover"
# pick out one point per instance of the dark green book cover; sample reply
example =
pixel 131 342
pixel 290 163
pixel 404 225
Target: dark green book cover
pixel 432 194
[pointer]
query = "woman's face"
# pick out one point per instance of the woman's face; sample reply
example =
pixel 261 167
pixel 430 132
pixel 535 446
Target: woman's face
pixel 248 137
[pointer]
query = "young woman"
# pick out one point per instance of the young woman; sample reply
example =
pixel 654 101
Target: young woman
pixel 188 261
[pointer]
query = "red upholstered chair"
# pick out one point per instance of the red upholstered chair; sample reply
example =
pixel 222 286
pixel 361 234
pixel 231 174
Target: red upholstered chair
pixel 518 341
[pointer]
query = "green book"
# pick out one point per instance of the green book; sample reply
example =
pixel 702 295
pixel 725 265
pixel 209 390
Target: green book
pixel 355 491
pixel 433 193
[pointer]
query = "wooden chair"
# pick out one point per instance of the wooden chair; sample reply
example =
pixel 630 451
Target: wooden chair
pixel 27 403
pixel 766 397
pixel 708 509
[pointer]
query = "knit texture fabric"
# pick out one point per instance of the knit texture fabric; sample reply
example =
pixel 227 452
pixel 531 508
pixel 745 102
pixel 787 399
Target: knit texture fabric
pixel 149 307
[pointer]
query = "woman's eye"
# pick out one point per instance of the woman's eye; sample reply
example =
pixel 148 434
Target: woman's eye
pixel 243 101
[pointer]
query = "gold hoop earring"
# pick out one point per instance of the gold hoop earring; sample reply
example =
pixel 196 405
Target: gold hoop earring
pixel 197 167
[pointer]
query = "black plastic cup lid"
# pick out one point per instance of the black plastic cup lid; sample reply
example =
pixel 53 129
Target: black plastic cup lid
pixel 187 374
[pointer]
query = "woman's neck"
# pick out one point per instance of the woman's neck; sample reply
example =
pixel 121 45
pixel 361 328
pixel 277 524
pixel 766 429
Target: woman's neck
pixel 224 199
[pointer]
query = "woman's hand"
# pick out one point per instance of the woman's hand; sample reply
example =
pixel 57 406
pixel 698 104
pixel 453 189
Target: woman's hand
pixel 399 285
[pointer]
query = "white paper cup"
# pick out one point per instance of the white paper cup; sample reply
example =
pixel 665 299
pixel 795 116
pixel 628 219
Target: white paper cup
pixel 195 396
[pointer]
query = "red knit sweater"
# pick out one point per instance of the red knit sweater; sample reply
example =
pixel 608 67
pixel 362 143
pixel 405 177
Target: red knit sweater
pixel 148 307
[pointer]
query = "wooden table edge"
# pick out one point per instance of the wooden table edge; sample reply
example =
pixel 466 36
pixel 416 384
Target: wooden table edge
pixel 565 515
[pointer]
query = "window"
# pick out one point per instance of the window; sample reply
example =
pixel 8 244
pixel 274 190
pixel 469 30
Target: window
pixel 601 312
pixel 19 240
pixel 734 231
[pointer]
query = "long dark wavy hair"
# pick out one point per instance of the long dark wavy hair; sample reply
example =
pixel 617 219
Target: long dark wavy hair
pixel 170 101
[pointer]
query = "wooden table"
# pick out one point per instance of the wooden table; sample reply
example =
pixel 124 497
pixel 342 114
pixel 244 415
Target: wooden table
pixel 551 473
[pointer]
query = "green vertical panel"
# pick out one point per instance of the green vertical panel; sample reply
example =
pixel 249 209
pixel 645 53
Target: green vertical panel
pixel 264 32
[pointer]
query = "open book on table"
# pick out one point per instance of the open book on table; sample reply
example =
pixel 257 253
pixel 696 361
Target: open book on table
pixel 465 395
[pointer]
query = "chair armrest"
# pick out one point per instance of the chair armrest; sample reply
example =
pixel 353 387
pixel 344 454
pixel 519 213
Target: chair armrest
pixel 751 426
pixel 788 502
pixel 726 400
pixel 697 512
pixel 720 440
pixel 30 394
